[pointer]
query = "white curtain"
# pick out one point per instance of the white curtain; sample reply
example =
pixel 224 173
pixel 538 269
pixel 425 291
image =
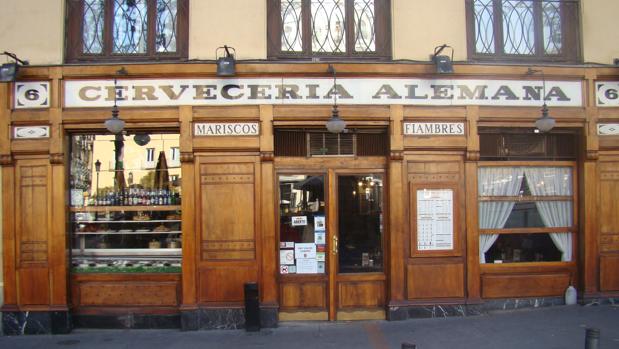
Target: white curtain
pixel 549 181
pixel 496 181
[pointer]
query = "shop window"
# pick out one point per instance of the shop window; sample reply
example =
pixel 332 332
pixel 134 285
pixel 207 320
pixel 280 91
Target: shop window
pixel 314 143
pixel 124 217
pixel 521 209
pixel 329 28
pixel 100 30
pixel 523 29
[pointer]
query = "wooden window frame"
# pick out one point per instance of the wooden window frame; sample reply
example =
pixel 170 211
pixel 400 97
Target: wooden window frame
pixel 74 36
pixel 537 230
pixel 571 44
pixel 382 27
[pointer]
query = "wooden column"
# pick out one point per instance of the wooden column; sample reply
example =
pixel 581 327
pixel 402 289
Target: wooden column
pixel 397 195
pixel 589 191
pixel 8 203
pixel 58 267
pixel 472 237
pixel 269 270
pixel 188 209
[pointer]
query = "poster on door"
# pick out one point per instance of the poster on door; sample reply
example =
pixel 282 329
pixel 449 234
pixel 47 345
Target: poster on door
pixel 435 219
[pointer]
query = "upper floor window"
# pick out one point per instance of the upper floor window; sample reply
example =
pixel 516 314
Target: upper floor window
pixel 126 29
pixel 523 29
pixel 329 28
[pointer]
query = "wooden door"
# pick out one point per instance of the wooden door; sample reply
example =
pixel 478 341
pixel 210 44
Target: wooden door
pixel 321 278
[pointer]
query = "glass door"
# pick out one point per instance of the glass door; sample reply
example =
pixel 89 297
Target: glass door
pixel 360 223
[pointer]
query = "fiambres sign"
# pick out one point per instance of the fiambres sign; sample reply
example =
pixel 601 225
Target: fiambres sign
pixel 159 92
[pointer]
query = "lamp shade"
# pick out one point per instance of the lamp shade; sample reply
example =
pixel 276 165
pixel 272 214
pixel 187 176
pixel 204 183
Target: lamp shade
pixel 8 72
pixel 545 123
pixel 443 64
pixel 141 139
pixel 335 124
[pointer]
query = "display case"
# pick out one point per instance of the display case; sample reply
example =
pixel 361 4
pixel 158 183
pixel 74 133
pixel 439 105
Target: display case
pixel 125 213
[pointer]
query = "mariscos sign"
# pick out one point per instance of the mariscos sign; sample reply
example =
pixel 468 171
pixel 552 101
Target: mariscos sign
pixel 158 92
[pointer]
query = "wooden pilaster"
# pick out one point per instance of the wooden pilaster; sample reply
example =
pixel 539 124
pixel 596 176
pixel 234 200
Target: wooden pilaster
pixel 472 237
pixel 397 193
pixel 269 270
pixel 188 204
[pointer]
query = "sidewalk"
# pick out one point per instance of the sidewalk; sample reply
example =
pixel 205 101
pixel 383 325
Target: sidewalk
pixel 558 327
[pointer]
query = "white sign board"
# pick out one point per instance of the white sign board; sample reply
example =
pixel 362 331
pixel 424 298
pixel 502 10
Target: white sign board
pixel 435 219
pixel 608 129
pixel 30 132
pixel 298 221
pixel 304 250
pixel 433 128
pixel 226 129
pixel 307 266
pixel 300 91
pixel 607 93
pixel 286 257
pixel 32 94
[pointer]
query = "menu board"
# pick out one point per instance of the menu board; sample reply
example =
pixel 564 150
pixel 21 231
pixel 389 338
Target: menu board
pixel 435 219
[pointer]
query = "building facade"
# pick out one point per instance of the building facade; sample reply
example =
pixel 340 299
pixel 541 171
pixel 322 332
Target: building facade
pixel 436 191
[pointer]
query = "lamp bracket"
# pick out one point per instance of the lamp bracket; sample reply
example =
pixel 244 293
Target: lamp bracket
pixel 12 55
pixel 439 49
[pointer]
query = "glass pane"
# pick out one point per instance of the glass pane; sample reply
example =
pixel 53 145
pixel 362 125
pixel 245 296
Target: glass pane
pixel 328 26
pixel 125 197
pixel 93 26
pixel 365 35
pixel 484 26
pixel 518 27
pixel 551 12
pixel 524 215
pixel 515 248
pixel 302 224
pixel 130 26
pixel 292 40
pixel 165 39
pixel 360 216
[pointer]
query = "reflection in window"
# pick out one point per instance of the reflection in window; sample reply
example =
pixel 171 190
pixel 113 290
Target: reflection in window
pixel 521 27
pixel 360 228
pixel 333 27
pixel 130 26
pixel 514 248
pixel 302 227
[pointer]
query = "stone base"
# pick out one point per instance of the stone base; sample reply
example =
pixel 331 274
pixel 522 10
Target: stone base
pixel 36 322
pixel 599 300
pixel 398 313
pixel 224 319
pixel 127 321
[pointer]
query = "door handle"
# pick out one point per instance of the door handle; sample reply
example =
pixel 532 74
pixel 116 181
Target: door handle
pixel 334 247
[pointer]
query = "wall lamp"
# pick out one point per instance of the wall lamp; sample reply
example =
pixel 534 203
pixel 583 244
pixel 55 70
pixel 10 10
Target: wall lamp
pixel 545 122
pixel 443 63
pixel 115 124
pixel 226 65
pixel 8 71
pixel 335 124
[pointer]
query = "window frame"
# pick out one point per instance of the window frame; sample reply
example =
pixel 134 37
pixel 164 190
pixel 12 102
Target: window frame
pixel 573 198
pixel 74 35
pixel 570 22
pixel 382 25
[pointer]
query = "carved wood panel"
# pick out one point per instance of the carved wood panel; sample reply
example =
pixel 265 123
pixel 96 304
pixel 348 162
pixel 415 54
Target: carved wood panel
pixel 609 207
pixel 128 293
pixel 303 295
pixel 525 285
pixel 32 213
pixel 439 280
pixel 228 211
pixel 354 294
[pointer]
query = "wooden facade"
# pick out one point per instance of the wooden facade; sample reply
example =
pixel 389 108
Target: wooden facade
pixel 229 210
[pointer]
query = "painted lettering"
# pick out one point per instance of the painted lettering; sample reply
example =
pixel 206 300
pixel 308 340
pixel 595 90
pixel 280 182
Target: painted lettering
pixel 442 91
pixel 287 92
pixel 388 91
pixel 142 93
pixel 558 93
pixel 412 92
pixel 225 91
pixel 259 91
pixel 169 91
pixel 478 93
pixel 85 96
pixel 505 91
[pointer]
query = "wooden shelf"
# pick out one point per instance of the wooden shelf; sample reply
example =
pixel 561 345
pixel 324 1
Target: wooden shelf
pixel 109 232
pixel 132 221
pixel 125 208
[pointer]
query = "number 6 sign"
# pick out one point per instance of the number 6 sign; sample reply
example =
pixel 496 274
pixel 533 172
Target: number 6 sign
pixel 31 94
